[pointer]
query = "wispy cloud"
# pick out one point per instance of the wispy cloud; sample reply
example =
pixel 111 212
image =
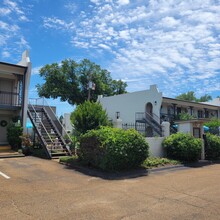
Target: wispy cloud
pixel 174 43
pixel 12 40
pixel 36 70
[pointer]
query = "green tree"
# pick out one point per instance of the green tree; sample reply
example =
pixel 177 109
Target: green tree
pixel 190 96
pixel 205 98
pixel 88 116
pixel 69 81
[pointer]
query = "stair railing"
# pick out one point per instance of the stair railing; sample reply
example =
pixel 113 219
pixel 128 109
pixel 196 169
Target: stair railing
pixel 58 120
pixel 42 125
pixel 154 122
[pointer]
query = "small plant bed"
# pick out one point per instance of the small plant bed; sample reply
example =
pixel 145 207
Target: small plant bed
pixel 149 163
pixel 153 162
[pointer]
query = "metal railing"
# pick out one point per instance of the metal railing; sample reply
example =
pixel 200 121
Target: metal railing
pixel 63 129
pixel 43 102
pixel 10 99
pixel 42 125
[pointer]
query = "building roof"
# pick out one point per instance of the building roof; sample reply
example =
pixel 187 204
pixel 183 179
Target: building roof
pixel 190 103
pixel 9 68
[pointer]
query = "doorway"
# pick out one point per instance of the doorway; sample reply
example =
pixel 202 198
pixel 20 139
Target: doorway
pixel 149 108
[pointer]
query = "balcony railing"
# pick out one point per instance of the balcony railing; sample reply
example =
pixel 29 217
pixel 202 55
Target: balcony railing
pixel 9 99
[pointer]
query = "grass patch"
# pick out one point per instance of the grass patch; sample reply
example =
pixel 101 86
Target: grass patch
pixel 152 162
pixel 71 160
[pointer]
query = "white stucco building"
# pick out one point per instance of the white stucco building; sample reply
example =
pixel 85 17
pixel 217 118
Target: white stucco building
pixel 148 109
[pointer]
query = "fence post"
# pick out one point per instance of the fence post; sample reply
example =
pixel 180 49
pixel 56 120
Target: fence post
pixel 118 123
pixel 165 128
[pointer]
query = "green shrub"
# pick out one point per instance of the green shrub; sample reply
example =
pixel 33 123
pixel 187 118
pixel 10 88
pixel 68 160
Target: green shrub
pixel 185 116
pixel 151 162
pixel 213 146
pixel 113 149
pixel 88 116
pixel 183 147
pixel 13 135
pixel 214 123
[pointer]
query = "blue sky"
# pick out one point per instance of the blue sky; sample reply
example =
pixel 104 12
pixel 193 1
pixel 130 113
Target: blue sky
pixel 172 43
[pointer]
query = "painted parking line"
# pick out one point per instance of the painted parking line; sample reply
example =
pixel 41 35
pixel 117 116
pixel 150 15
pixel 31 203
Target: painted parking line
pixel 4 175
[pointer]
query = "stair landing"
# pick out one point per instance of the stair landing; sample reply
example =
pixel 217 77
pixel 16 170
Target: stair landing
pixel 7 152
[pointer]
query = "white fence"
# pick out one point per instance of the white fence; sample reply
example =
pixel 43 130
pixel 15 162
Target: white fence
pixel 155 146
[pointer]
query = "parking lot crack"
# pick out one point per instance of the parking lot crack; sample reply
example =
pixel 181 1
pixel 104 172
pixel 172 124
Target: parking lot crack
pixel 19 210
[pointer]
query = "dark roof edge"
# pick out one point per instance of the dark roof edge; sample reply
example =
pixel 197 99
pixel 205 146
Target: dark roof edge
pixel 15 65
pixel 197 103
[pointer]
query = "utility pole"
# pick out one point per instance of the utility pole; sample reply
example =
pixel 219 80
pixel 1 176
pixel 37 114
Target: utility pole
pixel 91 86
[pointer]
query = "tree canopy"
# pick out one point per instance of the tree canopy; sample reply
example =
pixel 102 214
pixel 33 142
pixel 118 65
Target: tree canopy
pixel 190 96
pixel 69 81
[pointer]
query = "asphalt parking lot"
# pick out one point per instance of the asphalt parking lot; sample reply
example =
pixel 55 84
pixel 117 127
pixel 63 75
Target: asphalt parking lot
pixel 33 188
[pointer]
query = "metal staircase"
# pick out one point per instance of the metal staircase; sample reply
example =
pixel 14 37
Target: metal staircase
pixel 47 132
pixel 152 125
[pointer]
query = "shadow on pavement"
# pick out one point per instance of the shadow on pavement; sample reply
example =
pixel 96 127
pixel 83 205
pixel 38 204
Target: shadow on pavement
pixel 201 163
pixel 140 172
pixel 110 176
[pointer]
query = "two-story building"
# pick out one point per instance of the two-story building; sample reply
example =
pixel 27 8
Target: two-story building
pixel 14 84
pixel 147 109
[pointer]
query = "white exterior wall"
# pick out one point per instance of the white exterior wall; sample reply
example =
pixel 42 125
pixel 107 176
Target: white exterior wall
pixel 26 62
pixel 67 123
pixel 130 103
pixel 185 128
pixel 155 146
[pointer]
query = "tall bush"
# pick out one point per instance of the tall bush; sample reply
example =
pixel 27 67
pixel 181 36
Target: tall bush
pixel 88 116
pixel 212 146
pixel 113 149
pixel 183 147
pixel 13 135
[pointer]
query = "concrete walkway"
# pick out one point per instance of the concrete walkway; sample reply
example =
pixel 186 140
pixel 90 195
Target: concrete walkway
pixel 43 189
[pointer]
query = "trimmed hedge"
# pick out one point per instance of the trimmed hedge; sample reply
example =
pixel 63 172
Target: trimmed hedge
pixel 113 149
pixel 213 146
pixel 183 147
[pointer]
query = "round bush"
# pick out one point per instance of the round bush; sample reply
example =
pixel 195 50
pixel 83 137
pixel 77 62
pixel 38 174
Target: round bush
pixel 13 136
pixel 212 146
pixel 183 147
pixel 113 149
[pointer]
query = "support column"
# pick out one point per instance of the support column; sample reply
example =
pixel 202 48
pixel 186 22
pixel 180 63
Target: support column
pixel 165 128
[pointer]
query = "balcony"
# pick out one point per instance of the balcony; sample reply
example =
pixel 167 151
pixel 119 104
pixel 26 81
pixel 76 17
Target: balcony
pixel 10 100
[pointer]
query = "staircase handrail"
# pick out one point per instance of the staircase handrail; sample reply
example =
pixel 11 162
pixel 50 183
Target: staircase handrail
pixel 155 123
pixel 56 130
pixel 39 133
pixel 41 123
pixel 152 117
pixel 58 120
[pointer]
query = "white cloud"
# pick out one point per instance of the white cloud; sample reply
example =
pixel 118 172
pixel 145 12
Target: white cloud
pixel 4 11
pixel 36 70
pixel 123 2
pixel 12 40
pixel 172 43
pixel 57 23
pixel 6 54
